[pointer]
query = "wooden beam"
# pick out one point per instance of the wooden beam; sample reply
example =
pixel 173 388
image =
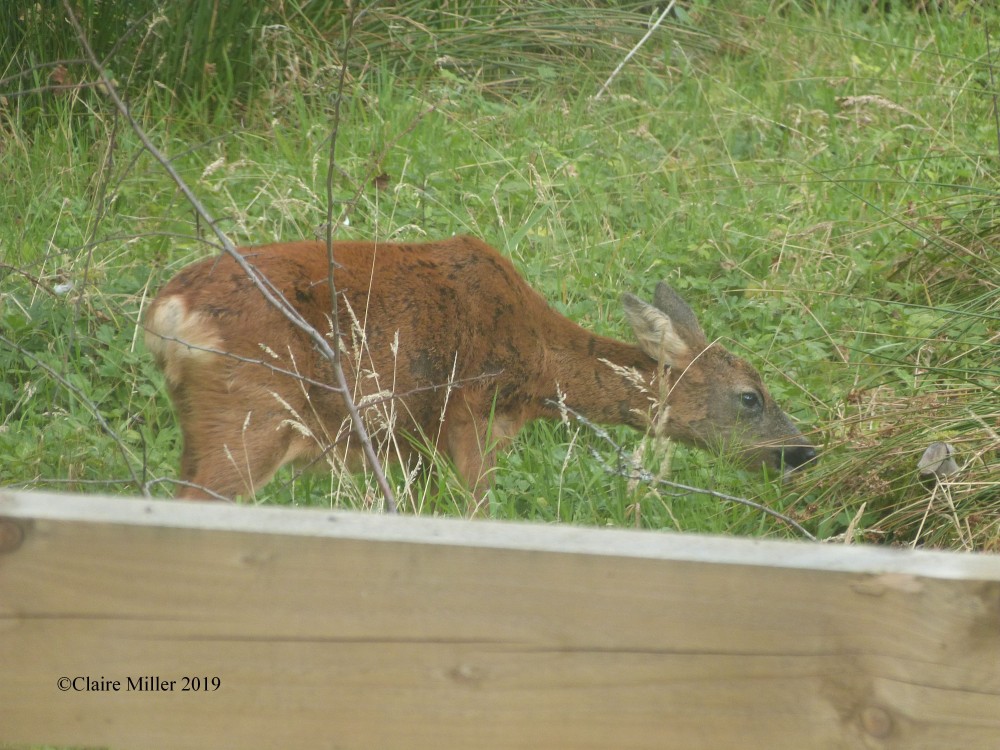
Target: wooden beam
pixel 327 629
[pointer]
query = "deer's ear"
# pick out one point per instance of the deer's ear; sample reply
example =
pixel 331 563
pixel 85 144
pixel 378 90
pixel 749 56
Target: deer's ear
pixel 681 315
pixel 656 332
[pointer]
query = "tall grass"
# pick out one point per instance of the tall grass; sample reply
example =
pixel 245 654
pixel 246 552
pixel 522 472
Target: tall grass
pixel 820 182
pixel 191 50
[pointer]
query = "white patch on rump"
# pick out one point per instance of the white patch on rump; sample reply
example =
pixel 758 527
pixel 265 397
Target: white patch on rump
pixel 175 334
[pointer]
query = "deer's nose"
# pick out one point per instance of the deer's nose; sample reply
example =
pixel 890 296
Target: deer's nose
pixel 797 456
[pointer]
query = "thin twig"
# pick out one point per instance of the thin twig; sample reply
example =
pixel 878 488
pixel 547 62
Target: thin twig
pixel 627 469
pixel 82 397
pixel 323 385
pixel 132 237
pixel 331 265
pixel 649 33
pixel 278 301
pixel 49 88
pixel 53 481
pixel 215 495
pixel 33 279
pixel 29 70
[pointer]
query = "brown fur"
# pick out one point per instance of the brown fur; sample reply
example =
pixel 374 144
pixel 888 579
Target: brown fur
pixel 446 339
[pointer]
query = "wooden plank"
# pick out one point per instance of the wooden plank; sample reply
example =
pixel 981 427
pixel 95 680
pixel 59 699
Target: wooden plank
pixel 349 631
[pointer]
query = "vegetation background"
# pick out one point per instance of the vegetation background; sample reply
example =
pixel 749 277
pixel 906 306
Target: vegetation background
pixel 818 178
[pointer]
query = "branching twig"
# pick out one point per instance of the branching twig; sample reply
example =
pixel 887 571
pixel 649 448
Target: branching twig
pixel 649 33
pixel 323 385
pixel 627 469
pixel 278 301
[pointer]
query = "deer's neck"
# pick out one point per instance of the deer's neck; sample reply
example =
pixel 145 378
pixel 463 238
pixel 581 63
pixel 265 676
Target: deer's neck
pixel 604 380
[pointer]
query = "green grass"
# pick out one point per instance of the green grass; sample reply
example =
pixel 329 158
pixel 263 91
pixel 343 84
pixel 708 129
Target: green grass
pixel 820 183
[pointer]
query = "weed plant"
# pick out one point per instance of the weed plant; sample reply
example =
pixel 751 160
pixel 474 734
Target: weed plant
pixel 819 180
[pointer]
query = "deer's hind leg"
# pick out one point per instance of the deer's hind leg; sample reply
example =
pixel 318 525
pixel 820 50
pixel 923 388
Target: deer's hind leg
pixel 230 461
pixel 472 438
pixel 235 439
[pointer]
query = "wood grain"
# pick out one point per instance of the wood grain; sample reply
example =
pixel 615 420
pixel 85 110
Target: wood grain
pixel 335 630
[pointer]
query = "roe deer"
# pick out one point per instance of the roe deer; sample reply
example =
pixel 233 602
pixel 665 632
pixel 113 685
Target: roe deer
pixel 442 342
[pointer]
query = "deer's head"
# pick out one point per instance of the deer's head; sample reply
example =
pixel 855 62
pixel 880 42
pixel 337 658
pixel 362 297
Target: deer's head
pixel 716 400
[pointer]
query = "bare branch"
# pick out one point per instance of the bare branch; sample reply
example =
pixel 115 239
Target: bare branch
pixel 629 470
pixel 278 301
pixel 327 386
pixel 331 265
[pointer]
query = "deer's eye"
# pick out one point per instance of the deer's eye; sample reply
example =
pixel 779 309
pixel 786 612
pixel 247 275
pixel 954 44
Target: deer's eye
pixel 750 400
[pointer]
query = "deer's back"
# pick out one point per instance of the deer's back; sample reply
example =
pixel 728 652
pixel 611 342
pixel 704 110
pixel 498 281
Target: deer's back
pixel 413 318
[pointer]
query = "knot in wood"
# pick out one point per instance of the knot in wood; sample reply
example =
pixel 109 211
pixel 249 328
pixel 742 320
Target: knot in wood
pixel 876 722
pixel 11 535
